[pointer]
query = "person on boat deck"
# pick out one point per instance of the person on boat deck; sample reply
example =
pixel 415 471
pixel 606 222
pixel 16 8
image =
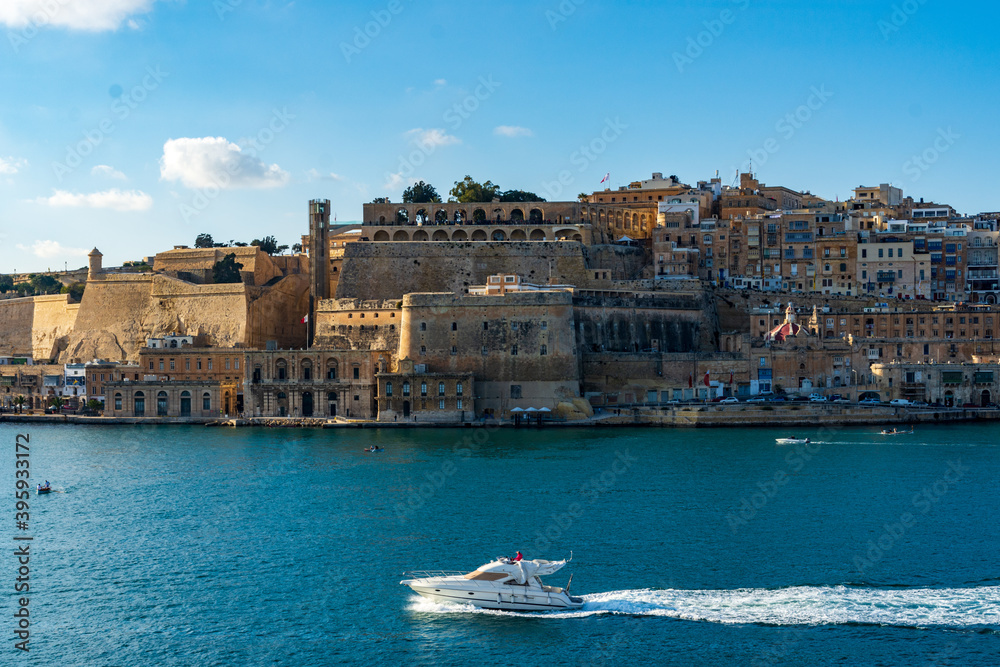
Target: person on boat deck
pixel 518 557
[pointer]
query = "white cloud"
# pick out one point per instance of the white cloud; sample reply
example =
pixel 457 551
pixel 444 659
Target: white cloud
pixel 432 138
pixel 93 15
pixel 51 250
pixel 513 131
pixel 398 181
pixel 317 175
pixel 108 172
pixel 115 199
pixel 11 165
pixel 440 83
pixel 216 162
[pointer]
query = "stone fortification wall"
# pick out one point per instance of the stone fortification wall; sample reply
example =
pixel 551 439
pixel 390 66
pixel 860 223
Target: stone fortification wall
pixel 354 324
pixel 196 264
pixel 620 261
pixel 645 322
pixel 275 313
pixel 35 325
pixel 520 346
pixel 633 376
pixel 382 271
pixel 119 312
pixel 16 319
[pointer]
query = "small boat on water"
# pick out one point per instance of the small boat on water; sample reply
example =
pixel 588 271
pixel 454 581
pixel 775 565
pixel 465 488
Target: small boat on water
pixel 895 431
pixel 373 449
pixel 792 441
pixel 502 584
pixel 44 488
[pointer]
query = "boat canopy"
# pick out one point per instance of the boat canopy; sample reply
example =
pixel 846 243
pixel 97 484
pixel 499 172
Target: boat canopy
pixel 521 571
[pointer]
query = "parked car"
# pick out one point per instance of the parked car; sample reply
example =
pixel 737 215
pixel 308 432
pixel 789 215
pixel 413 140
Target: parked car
pixel 869 401
pixel 730 399
pixel 899 401
pixel 817 399
pixel 837 398
pixel 777 399
pixel 817 395
pixel 757 399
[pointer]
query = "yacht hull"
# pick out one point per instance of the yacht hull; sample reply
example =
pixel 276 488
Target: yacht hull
pixel 493 599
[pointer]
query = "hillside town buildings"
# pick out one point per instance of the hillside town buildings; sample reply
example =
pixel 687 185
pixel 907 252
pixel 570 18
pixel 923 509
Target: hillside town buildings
pixel 655 292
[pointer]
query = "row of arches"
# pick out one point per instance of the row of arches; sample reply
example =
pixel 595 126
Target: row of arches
pixel 459 235
pixel 619 220
pixel 479 216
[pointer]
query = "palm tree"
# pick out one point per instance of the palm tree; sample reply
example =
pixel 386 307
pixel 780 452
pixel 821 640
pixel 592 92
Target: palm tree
pixel 57 402
pixel 19 402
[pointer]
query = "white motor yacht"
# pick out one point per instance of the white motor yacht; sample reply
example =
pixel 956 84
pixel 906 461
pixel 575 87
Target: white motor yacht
pixel 502 584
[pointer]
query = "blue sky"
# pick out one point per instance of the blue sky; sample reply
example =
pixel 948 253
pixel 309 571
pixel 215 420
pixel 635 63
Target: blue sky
pixel 135 125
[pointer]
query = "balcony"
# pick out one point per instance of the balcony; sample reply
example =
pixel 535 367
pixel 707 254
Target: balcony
pixel 886 276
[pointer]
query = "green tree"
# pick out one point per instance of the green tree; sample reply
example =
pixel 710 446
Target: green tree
pixel 297 248
pixel 6 284
pixel 24 289
pixel 43 284
pixel 420 193
pixel 57 402
pixel 227 270
pixel 204 241
pixel 19 401
pixel 519 196
pixel 468 191
pixel 268 244
pixel 381 200
pixel 75 291
pixel 95 405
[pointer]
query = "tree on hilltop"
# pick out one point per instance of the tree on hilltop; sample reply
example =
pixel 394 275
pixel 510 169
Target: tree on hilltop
pixel 468 191
pixel 75 291
pixel 381 200
pixel 269 244
pixel 204 241
pixel 6 284
pixel 43 284
pixel 421 193
pixel 519 196
pixel 227 270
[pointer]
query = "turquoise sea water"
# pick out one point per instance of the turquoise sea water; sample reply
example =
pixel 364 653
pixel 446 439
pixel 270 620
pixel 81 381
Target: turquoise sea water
pixel 199 546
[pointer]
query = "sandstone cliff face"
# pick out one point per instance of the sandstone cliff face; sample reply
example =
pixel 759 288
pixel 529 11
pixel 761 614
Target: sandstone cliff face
pixel 36 326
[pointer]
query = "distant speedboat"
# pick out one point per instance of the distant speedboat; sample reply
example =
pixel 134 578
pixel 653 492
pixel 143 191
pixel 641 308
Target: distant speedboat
pixel 44 488
pixel 373 449
pixel 502 584
pixel 894 431
pixel 792 441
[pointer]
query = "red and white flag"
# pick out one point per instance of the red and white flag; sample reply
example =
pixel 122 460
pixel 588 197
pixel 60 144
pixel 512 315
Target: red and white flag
pixel 305 319
pixel 707 382
pixel 606 178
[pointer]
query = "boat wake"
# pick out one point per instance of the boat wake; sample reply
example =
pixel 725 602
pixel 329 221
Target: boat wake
pixel 801 605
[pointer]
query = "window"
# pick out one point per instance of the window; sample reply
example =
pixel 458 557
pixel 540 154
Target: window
pixel 440 388
pixel 458 389
pixel 306 372
pixel 485 351
pixel 513 326
pixel 161 364
pixel 486 326
pixel 118 401
pixel 151 365
pixel 458 404
pixel 545 325
pixel 423 326
pixel 763 362
pixel 406 389
pixel 388 389
pixel 227 366
pixel 515 391
pixel 864 253
pixel 209 364
pixel 423 350
pixel 513 350
pixel 187 364
pixel 331 373
pixel 441 404
pixel 357 373
pixel 206 401
pixel 423 388
pixel 454 350
pixel 198 364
